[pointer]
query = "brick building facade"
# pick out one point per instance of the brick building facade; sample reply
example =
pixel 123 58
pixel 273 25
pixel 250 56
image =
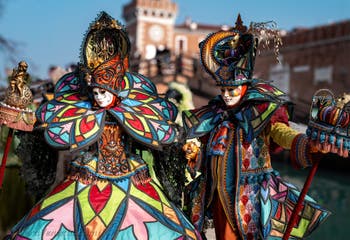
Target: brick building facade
pixel 151 27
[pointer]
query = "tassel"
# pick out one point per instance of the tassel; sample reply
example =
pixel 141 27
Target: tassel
pixel 334 148
pixel 314 135
pixel 331 139
pixel 322 137
pixel 324 142
pixel 340 146
pixel 339 142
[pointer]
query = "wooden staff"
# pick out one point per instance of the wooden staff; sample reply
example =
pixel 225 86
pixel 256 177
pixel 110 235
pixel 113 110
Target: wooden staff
pixel 301 198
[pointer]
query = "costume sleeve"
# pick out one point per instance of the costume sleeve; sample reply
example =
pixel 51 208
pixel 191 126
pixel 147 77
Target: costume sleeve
pixel 300 155
pixel 280 116
pixel 283 135
pixel 292 140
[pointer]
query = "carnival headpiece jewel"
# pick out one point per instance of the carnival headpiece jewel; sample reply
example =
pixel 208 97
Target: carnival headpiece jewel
pixel 105 53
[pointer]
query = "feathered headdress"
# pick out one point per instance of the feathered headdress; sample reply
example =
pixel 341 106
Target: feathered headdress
pixel 228 56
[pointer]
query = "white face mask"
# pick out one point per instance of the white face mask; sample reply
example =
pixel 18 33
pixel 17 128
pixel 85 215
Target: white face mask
pixel 102 97
pixel 231 95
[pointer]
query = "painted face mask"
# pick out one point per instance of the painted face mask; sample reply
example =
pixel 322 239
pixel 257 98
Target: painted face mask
pixel 232 95
pixel 102 97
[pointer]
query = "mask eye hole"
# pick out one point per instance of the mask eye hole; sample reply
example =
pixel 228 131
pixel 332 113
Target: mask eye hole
pixel 228 89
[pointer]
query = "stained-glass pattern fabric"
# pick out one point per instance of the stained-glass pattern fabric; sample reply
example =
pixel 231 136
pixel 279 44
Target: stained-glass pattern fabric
pixel 70 120
pixel 105 210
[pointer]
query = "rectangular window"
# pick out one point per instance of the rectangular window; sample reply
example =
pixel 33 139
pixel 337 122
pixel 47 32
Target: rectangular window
pixel 323 75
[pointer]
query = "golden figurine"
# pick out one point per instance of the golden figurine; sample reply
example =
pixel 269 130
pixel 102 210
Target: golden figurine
pixel 14 111
pixel 18 94
pixel 19 77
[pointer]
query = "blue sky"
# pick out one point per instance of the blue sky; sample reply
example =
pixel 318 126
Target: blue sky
pixel 49 32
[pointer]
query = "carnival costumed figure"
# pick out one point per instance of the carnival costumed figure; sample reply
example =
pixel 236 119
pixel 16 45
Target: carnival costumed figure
pixel 98 111
pixel 181 95
pixel 238 129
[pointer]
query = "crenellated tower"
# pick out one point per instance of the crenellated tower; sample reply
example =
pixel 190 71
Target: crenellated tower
pixel 150 24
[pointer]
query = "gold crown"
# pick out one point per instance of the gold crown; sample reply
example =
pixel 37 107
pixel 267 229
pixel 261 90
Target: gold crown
pixel 105 53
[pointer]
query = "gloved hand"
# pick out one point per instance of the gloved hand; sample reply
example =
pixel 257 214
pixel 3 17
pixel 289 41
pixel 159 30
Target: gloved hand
pixel 191 152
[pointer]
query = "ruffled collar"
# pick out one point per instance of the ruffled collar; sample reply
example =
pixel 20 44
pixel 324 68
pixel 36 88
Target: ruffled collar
pixel 70 121
pixel 252 114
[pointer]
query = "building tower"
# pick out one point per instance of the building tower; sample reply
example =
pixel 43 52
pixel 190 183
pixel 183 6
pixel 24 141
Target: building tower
pixel 150 25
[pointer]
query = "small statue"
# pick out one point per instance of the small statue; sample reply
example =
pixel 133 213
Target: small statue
pixel 18 94
pixel 14 111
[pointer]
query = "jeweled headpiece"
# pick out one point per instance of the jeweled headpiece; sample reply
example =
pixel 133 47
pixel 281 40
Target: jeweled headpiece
pixel 105 53
pixel 228 56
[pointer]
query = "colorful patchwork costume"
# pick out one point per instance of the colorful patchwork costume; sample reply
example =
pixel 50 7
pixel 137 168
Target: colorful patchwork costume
pixel 108 193
pixel 246 196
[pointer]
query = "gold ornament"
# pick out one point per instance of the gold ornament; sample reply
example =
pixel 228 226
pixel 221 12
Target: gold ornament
pixel 18 94
pixel 14 111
